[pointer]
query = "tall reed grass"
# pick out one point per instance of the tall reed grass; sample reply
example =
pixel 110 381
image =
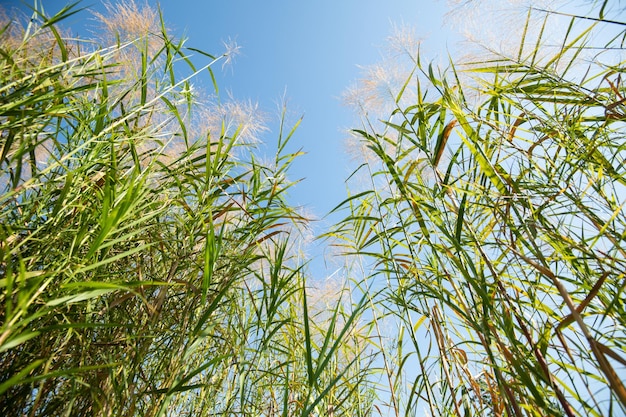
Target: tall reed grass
pixel 489 213
pixel 149 261
pixel 150 264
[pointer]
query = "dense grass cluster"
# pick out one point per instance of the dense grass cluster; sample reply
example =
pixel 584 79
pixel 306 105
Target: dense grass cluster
pixel 151 265
pixel 495 217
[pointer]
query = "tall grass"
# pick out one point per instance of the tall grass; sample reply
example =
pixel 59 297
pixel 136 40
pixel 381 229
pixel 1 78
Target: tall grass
pixel 149 262
pixel 490 214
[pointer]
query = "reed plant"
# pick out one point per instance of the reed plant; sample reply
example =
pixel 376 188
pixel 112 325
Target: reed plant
pixel 149 261
pixel 488 211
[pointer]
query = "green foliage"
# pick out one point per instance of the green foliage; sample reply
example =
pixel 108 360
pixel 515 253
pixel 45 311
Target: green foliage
pixel 149 266
pixel 494 222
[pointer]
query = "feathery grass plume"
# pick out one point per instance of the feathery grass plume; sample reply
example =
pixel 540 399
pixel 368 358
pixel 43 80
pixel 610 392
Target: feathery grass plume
pixel 383 84
pixel 140 36
pixel 232 50
pixel 541 38
pixel 380 88
pixel 495 25
pixel 242 119
pixel 127 21
pixel 404 43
